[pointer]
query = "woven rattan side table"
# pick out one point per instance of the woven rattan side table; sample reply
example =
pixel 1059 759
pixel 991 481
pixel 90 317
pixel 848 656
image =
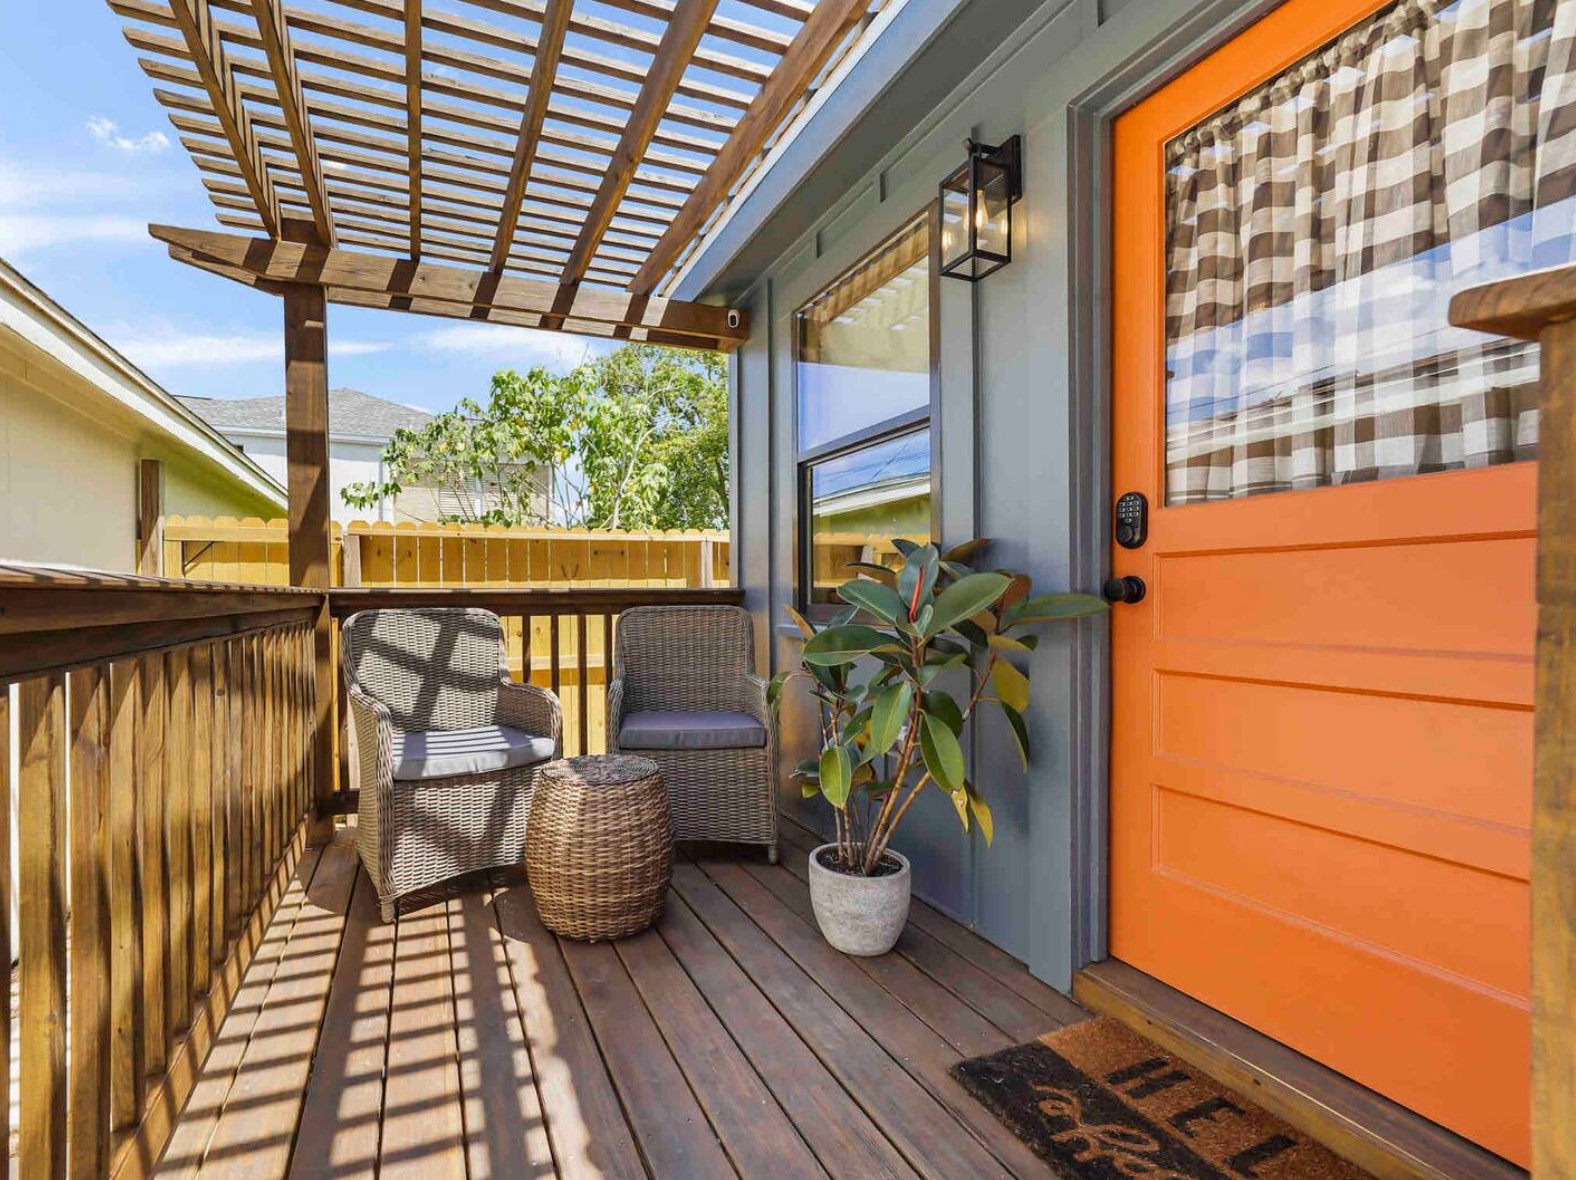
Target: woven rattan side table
pixel 599 845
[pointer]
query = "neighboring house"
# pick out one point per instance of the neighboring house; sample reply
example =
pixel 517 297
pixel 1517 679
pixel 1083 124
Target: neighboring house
pixel 1293 781
pixel 84 433
pixel 360 427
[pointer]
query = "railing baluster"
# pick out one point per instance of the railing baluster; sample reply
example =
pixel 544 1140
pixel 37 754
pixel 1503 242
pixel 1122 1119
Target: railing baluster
pixel 151 885
pixel 41 824
pixel 235 773
pixel 88 1030
pixel 202 817
pixel 178 841
pixel 583 674
pixel 126 1070
pixel 552 654
pixel 608 739
pixel 219 762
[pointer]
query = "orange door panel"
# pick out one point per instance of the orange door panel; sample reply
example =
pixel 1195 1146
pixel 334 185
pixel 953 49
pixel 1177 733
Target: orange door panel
pixel 1321 758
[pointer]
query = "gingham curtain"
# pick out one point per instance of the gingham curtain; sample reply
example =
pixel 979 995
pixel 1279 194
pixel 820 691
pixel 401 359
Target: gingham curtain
pixel 1317 228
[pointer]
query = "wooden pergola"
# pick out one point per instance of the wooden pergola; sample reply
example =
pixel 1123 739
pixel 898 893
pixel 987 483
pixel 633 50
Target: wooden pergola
pixel 526 162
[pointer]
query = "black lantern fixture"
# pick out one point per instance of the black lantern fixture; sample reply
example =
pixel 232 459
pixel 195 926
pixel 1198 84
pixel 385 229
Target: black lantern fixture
pixel 976 210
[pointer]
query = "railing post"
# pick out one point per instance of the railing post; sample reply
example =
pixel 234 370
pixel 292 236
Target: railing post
pixel 1542 306
pixel 306 447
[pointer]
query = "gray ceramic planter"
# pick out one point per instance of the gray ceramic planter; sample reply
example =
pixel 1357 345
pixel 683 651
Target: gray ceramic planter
pixel 859 915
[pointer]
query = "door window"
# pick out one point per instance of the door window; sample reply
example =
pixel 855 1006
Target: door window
pixel 1317 228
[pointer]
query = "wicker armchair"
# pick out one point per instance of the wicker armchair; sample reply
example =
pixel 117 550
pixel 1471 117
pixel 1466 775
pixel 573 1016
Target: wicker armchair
pixel 444 747
pixel 685 694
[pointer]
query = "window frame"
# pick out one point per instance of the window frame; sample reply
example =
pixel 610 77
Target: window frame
pixel 912 421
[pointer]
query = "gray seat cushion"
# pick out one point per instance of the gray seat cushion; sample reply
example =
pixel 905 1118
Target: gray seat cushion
pixel 666 729
pixel 483 750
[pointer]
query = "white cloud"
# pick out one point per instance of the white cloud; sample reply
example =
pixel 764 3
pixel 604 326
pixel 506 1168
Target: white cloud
pixel 107 132
pixel 22 233
pixel 177 349
pixel 522 348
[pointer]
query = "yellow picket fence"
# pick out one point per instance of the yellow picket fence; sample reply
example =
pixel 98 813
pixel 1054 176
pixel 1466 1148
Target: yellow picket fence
pixel 438 555
pixel 427 556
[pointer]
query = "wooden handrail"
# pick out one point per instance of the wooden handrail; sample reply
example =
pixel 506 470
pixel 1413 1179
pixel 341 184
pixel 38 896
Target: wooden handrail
pixel 344 602
pixel 56 620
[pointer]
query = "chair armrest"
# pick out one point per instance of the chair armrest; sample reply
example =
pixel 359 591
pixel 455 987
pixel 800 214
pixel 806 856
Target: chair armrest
pixel 372 730
pixel 535 710
pixel 755 703
pixel 615 711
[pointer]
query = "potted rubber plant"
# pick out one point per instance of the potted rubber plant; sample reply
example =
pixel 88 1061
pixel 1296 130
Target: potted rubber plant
pixel 898 674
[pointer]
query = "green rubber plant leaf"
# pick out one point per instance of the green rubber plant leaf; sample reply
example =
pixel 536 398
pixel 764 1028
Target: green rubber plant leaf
pixel 800 622
pixel 942 753
pixel 941 706
pixel 982 816
pixel 1012 642
pixel 960 800
pixel 809 790
pixel 965 598
pixel 904 546
pixel 878 599
pixel 972 632
pixel 1020 733
pixel 1011 685
pixel 918 579
pixel 843 645
pixel 1048 607
pixel 837 772
pixel 810 768
pixel 890 712
pixel 870 569
pixel 967 551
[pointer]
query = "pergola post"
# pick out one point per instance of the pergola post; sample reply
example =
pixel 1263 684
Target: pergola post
pixel 1542 307
pixel 306 451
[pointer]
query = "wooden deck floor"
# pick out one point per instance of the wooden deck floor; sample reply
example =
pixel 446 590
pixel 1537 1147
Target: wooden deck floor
pixel 468 1041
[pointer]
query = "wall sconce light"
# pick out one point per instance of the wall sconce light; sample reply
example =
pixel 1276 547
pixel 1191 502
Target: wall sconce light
pixel 976 210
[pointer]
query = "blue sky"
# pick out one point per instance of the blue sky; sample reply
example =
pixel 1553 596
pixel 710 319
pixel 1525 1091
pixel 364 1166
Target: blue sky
pixel 88 159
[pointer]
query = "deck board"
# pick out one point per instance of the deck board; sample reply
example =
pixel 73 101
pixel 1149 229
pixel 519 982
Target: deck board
pixel 468 1041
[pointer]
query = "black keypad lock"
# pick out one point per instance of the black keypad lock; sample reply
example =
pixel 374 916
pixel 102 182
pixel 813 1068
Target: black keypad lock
pixel 1132 520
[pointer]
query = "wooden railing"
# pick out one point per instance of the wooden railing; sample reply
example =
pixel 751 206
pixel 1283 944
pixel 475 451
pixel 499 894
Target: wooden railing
pixel 164 775
pixel 556 639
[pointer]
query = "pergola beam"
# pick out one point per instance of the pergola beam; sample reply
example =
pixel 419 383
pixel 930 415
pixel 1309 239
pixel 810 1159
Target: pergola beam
pixel 679 40
pixel 206 50
pixel 829 23
pixel 292 104
pixel 555 21
pixel 374 280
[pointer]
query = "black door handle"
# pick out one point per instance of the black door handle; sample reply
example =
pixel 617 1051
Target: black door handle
pixel 1130 589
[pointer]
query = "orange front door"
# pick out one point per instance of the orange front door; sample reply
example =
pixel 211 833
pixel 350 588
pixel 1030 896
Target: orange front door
pixel 1321 756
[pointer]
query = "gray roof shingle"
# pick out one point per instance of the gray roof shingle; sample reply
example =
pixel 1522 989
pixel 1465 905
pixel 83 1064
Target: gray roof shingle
pixel 350 412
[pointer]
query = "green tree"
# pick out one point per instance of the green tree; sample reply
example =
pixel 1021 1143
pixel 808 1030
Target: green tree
pixel 637 439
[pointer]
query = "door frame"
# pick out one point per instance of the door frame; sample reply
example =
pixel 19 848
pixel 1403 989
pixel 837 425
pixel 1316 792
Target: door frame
pixel 1091 171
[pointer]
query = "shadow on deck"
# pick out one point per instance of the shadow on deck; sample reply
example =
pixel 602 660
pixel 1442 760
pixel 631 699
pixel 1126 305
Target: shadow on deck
pixel 468 1041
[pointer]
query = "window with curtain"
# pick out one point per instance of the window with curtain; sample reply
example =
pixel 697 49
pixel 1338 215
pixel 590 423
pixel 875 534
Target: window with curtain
pixel 1317 228
pixel 863 377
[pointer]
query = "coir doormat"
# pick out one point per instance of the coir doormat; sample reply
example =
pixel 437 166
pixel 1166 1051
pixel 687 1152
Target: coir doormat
pixel 1098 1102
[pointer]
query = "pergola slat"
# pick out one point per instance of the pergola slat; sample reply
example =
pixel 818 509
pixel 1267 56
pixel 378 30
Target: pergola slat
pixel 679 40
pixel 206 51
pixel 275 36
pixel 555 22
pixel 519 137
pixel 828 24
pixel 413 76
